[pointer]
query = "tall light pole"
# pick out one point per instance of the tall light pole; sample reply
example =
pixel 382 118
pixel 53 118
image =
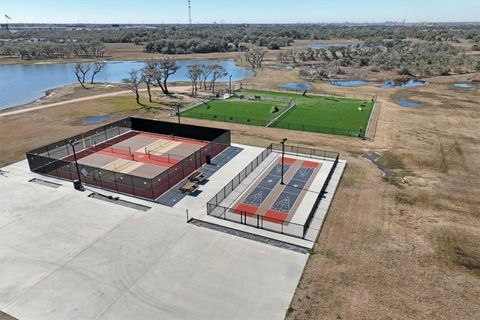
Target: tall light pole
pixel 283 155
pixel 73 143
pixel 230 85
pixel 177 107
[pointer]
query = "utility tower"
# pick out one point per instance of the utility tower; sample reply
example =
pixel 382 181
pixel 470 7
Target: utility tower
pixel 189 12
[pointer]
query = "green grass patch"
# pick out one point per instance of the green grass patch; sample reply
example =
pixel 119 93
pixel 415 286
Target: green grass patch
pixel 311 113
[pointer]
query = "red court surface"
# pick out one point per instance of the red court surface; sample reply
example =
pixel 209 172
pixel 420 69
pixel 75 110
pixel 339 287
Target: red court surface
pixel 137 153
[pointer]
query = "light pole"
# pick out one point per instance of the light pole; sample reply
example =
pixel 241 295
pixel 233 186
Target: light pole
pixel 230 85
pixel 283 155
pixel 177 107
pixel 73 143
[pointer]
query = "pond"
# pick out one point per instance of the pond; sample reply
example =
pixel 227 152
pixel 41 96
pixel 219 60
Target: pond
pixel 297 86
pixel 348 83
pixel 326 46
pixel 94 120
pixel 463 85
pixel 23 83
pixel 408 103
pixel 410 83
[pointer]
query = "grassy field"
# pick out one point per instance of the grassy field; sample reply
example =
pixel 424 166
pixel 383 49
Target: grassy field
pixel 311 113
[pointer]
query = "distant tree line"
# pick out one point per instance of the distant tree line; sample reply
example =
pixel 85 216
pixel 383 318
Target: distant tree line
pixel 403 57
pixel 47 50
pixel 170 39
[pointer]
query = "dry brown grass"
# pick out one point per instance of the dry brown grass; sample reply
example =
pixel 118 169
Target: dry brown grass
pixel 4 316
pixel 385 252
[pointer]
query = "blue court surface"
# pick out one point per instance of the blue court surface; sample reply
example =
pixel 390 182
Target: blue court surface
pixel 265 187
pixel 292 190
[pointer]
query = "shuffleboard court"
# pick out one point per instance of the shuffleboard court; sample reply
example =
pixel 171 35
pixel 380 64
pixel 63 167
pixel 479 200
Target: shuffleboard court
pixel 258 195
pixel 277 203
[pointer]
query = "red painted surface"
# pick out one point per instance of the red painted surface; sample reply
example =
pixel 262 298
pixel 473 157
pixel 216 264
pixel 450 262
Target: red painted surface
pixel 247 209
pixel 288 160
pixel 164 137
pixel 275 216
pixel 310 164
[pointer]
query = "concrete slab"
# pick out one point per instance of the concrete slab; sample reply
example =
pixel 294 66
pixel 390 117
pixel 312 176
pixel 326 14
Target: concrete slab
pixel 203 283
pixel 64 255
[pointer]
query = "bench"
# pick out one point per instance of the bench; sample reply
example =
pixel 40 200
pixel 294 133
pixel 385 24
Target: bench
pixel 197 176
pixel 189 187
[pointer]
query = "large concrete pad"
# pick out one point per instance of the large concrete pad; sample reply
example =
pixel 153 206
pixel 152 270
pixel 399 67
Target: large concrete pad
pixel 64 255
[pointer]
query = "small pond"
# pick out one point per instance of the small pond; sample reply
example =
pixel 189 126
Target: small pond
pixel 348 83
pixel 463 85
pixel 408 103
pixel 297 86
pixel 326 46
pixel 404 84
pixel 93 120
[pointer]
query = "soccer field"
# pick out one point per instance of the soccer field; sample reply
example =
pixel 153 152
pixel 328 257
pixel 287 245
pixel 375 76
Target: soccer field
pixel 321 114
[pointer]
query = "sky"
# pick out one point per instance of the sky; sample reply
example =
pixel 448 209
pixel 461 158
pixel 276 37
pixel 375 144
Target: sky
pixel 244 11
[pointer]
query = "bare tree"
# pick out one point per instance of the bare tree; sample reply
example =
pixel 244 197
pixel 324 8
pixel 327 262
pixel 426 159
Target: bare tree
pixel 194 72
pixel 166 66
pixel 81 70
pixel 255 56
pixel 96 49
pixel 217 72
pixel 97 67
pixel 133 83
pixel 293 55
pixel 148 82
pixel 206 72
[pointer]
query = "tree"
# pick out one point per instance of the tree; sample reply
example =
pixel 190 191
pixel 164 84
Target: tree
pixel 166 67
pixel 96 49
pixel 194 72
pixel 293 54
pixel 255 56
pixel 477 66
pixel 148 80
pixel 217 72
pixel 206 72
pixel 133 83
pixel 159 70
pixel 81 70
pixel 98 66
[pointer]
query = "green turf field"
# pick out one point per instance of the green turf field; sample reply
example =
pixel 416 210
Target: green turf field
pixel 311 113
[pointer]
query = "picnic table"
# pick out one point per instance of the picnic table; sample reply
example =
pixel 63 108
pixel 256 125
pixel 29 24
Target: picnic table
pixel 197 176
pixel 189 187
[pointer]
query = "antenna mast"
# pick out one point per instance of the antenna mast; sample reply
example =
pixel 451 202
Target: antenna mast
pixel 189 12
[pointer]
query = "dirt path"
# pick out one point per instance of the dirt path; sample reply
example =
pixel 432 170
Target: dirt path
pixel 56 104
pixel 93 97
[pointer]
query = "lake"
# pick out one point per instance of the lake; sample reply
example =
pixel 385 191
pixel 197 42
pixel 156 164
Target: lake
pixel 24 83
